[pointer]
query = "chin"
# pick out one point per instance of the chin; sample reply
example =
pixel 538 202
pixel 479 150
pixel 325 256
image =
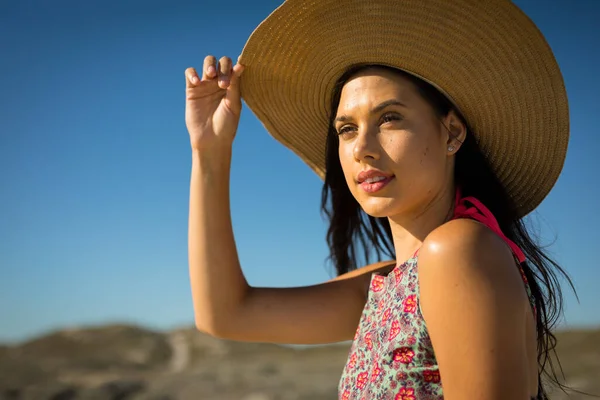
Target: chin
pixel 378 207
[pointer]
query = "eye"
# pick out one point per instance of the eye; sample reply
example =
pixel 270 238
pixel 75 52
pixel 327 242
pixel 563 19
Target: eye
pixel 346 131
pixel 390 116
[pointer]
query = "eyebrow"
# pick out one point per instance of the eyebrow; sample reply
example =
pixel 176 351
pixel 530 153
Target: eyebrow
pixel 375 110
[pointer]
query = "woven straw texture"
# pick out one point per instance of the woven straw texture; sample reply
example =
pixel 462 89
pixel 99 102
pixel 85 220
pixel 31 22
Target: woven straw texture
pixel 487 56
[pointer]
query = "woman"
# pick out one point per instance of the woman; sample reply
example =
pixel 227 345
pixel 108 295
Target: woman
pixel 437 126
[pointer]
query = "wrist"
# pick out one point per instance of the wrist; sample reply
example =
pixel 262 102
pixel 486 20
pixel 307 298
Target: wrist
pixel 214 160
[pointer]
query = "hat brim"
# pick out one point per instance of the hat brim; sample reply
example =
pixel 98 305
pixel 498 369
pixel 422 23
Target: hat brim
pixel 488 57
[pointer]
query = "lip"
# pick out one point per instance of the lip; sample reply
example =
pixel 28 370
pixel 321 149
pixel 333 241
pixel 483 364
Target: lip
pixel 371 173
pixel 375 186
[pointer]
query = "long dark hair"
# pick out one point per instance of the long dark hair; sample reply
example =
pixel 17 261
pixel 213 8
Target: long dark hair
pixel 354 237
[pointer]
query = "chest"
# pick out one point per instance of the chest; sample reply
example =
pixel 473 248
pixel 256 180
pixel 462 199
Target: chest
pixel 391 351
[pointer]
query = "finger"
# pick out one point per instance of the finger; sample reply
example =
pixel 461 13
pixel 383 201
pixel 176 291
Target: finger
pixel 224 72
pixel 238 69
pixel 191 77
pixel 209 70
pixel 233 91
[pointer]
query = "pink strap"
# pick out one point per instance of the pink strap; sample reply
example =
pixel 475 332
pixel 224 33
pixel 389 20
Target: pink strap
pixel 481 213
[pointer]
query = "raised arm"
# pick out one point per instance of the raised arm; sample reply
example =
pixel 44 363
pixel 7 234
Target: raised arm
pixel 224 304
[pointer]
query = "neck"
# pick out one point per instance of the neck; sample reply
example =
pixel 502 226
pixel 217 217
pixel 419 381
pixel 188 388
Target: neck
pixel 410 230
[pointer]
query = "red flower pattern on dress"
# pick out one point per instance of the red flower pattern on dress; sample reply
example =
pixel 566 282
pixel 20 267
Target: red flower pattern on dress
pixel 397 275
pixel 386 316
pixel 352 362
pixel 375 373
pixel 431 376
pixel 361 379
pixel 377 283
pixel 410 304
pixel 401 376
pixel 404 355
pixel 406 394
pixel 369 341
pixel 394 330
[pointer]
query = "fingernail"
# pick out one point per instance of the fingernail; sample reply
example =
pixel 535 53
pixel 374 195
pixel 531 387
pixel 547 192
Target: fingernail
pixel 211 70
pixel 194 79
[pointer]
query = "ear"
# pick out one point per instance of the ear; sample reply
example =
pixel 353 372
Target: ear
pixel 456 131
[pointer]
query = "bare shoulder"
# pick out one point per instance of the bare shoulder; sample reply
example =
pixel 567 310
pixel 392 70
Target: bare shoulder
pixel 467 247
pixel 474 306
pixel 464 255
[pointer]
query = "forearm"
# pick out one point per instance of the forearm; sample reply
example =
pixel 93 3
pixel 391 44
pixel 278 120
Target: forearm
pixel 217 282
pixel 226 306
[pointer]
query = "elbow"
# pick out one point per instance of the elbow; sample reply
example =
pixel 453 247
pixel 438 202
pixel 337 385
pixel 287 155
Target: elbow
pixel 212 327
pixel 221 323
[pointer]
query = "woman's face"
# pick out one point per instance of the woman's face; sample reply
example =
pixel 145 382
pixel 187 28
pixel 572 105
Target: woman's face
pixel 392 147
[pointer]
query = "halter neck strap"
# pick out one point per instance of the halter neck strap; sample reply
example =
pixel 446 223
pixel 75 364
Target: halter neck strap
pixel 470 207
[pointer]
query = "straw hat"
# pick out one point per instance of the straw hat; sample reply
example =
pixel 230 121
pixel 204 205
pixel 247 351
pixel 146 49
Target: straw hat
pixel 486 56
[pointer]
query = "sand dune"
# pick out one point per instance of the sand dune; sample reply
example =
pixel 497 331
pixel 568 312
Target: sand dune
pixel 129 362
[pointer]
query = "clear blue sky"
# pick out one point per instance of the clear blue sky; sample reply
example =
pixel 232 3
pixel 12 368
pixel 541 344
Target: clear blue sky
pixel 95 160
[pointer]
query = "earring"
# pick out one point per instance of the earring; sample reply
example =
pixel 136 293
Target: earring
pixel 451 148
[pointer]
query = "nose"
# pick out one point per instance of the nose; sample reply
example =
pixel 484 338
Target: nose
pixel 366 146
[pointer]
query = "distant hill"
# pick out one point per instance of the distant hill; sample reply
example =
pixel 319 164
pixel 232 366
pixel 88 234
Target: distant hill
pixel 121 362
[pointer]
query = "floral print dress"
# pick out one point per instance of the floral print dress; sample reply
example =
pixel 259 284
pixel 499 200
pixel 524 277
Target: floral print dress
pixel 391 357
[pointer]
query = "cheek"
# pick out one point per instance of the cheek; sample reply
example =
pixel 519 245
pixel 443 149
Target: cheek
pixel 418 158
pixel 347 162
pixel 407 149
